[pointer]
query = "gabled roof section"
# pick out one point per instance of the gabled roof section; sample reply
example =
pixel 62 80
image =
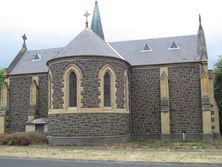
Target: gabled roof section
pixel 96 24
pixel 87 43
pixel 26 65
pixel 18 56
pixel 131 50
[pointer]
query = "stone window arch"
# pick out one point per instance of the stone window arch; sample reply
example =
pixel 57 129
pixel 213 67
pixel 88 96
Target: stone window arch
pixel 126 90
pixel 72 87
pixel 107 88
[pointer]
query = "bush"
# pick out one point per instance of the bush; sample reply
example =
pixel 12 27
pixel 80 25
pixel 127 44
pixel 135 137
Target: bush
pixel 218 88
pixel 23 139
pixel 1 75
pixel 18 139
pixel 38 137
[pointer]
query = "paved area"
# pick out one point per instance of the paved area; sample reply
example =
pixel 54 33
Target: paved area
pixel 31 162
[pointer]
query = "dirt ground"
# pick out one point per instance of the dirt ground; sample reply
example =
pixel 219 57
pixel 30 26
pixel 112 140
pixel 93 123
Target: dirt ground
pixel 119 154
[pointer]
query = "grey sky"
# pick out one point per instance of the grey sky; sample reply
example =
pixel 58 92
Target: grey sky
pixel 53 23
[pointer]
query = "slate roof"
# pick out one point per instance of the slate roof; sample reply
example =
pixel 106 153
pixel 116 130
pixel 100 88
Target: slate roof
pixel 26 65
pixel 88 43
pixel 132 50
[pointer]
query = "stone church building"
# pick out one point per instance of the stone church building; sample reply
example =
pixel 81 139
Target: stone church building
pixel 94 92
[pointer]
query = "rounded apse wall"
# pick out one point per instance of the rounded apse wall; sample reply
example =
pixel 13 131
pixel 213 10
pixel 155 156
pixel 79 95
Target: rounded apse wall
pixel 90 120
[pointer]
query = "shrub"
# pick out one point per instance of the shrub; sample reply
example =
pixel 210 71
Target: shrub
pixel 218 87
pixel 18 139
pixel 1 75
pixel 23 139
pixel 38 137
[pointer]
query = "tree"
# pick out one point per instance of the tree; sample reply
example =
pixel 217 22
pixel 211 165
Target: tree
pixel 1 76
pixel 218 87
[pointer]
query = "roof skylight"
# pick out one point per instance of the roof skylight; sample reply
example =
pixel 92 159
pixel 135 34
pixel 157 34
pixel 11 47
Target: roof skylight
pixel 36 57
pixel 173 46
pixel 146 48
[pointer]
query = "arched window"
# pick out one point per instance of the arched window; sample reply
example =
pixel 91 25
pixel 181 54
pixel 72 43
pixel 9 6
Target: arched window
pixel 107 90
pixel 72 78
pixel 126 91
pixel 72 90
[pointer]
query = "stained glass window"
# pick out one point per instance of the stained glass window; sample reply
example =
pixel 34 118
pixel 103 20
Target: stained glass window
pixel 72 90
pixel 107 90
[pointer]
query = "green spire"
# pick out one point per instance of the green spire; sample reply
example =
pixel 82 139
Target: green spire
pixel 96 24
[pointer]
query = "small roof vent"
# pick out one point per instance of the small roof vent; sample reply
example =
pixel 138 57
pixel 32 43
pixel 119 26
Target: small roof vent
pixel 146 48
pixel 173 46
pixel 36 57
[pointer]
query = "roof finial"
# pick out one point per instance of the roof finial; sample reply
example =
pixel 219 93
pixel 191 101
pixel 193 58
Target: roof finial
pixel 202 48
pixel 199 19
pixel 24 39
pixel 87 15
pixel 200 24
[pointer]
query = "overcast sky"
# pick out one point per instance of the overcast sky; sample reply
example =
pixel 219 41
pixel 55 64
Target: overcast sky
pixel 54 23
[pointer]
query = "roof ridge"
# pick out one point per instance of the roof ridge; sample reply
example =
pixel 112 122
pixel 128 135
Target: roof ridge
pixel 116 51
pixel 44 49
pixel 179 36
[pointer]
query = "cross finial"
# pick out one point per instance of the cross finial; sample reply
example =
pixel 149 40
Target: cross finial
pixel 200 24
pixel 24 39
pixel 87 15
pixel 199 19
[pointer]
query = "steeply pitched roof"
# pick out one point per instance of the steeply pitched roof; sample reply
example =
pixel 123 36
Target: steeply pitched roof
pixel 132 50
pixel 26 65
pixel 96 24
pixel 87 43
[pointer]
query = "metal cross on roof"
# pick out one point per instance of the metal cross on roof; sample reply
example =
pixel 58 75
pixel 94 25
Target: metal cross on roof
pixel 24 37
pixel 86 15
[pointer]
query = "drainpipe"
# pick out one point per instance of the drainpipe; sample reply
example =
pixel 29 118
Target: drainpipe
pixel 184 135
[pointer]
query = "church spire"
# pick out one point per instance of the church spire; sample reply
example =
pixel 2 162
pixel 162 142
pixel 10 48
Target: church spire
pixel 96 24
pixel 202 48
